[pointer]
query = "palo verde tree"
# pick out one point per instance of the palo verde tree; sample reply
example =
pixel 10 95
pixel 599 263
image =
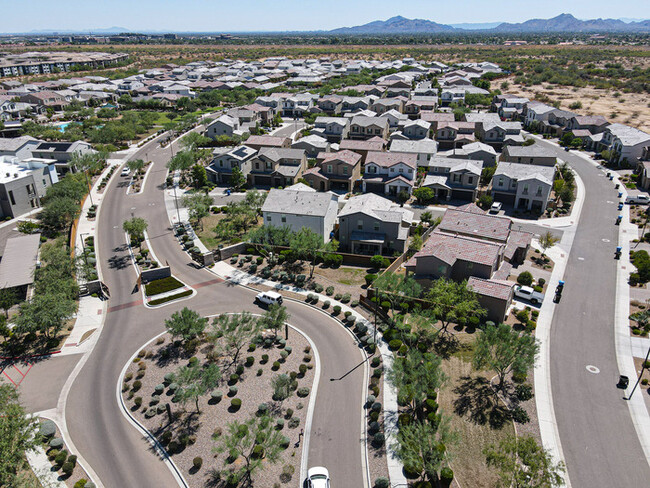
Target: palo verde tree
pixel 395 288
pixel 182 161
pixel 186 324
pixel 195 381
pixel 232 332
pixel 522 463
pixel 135 228
pixel 135 165
pixel 17 435
pixel 502 349
pixel 237 179
pixel 453 302
pixel 416 376
pixel 422 448
pixel 274 318
pixel 45 313
pixel 547 240
pixel 253 442
pixel 268 237
pixel 198 205
pixel 309 246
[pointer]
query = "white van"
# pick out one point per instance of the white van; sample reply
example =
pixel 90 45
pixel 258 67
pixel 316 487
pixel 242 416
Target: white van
pixel 269 298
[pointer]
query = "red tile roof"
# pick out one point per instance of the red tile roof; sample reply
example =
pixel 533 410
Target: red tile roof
pixel 471 224
pixel 490 288
pixel 388 159
pixel 346 156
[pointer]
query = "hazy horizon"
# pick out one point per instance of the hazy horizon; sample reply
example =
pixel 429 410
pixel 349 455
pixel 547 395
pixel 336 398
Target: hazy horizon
pixel 284 15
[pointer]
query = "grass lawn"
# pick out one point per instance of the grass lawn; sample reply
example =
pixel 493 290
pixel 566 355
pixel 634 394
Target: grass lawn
pixel 469 403
pixel 170 298
pixel 162 285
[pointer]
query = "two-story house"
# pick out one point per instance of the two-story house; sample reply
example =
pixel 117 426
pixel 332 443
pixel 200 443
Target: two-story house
pixel 425 149
pixel 220 169
pixel 595 124
pixel 332 128
pixel 534 154
pixel 389 173
pixel 370 224
pixel 383 105
pixel 335 171
pixel 625 143
pixel 258 142
pixel 355 104
pixel 303 208
pixel 363 147
pixel 498 133
pixel 297 105
pixel 414 107
pixel 453 179
pixel 455 134
pixel 330 104
pixel 277 166
pixel 416 129
pixel 524 186
pixel 312 144
pixel 225 125
pixel 475 150
pixel 363 128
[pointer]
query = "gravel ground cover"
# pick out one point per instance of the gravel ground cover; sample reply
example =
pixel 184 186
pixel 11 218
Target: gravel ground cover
pixel 190 435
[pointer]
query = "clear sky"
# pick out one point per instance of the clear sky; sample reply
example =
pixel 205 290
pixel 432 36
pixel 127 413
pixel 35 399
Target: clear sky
pixel 282 15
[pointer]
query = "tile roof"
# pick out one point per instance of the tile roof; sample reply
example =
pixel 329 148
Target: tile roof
pixel 481 226
pixel 369 145
pixel 345 156
pixel 388 159
pixel 270 141
pixel 491 288
pixel 450 249
pixel 298 202
pixel 378 207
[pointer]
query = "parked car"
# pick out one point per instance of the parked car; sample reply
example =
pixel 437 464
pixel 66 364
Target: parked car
pixel 125 171
pixel 269 298
pixel 318 477
pixel 496 207
pixel 638 199
pixel 528 293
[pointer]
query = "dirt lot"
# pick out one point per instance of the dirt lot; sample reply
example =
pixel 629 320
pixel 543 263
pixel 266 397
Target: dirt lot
pixel 629 108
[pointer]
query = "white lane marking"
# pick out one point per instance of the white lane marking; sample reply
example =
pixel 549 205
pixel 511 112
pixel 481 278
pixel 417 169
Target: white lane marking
pixel 606 240
pixel 592 369
pixel 581 259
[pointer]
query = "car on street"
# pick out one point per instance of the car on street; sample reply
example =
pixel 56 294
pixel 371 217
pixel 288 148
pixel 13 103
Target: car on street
pixel 638 199
pixel 269 298
pixel 528 293
pixel 318 477
pixel 125 171
pixel 496 207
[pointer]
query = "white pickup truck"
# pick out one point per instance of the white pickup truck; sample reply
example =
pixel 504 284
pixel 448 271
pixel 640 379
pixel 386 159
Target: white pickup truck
pixel 527 293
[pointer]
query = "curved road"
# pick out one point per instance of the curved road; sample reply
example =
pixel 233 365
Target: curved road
pixel 600 444
pixel 115 450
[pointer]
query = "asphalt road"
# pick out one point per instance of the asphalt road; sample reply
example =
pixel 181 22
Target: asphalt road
pixel 113 447
pixel 598 438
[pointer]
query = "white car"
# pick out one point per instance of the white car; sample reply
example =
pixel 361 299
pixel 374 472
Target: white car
pixel 496 207
pixel 639 199
pixel 269 298
pixel 125 171
pixel 318 477
pixel 528 293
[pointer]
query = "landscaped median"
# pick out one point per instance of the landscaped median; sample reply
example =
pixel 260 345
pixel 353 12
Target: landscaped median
pixel 227 396
pixel 164 290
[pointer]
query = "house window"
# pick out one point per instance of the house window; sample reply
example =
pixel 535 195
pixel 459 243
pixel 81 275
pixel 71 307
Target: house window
pixel 268 218
pixel 345 170
pixel 525 190
pixel 44 182
pixel 221 164
pixel 410 171
pixel 539 191
pixel 11 197
pixel 442 269
pixel 401 170
pixel 359 224
pixel 257 165
pixel 500 182
pixel 329 168
pixel 470 266
pixel 456 178
pixel 283 219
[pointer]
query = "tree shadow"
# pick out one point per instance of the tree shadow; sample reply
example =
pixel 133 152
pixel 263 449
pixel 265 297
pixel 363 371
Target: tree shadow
pixel 119 262
pixel 169 354
pixel 478 400
pixel 445 344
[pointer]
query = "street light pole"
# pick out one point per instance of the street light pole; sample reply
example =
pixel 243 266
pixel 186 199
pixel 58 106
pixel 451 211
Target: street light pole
pixel 638 380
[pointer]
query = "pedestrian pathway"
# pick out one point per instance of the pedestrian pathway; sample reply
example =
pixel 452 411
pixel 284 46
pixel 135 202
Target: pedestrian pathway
pixel 640 346
pixel 42 468
pixel 395 467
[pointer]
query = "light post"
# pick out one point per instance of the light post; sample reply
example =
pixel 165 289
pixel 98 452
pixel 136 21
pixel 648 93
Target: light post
pixel 638 380
pixel 178 213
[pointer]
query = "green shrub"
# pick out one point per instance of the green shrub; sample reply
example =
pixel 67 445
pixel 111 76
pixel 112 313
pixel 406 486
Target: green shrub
pixel 378 439
pixel 47 429
pixel 302 392
pixel 336 309
pixel 250 360
pixel 158 389
pixel 61 457
pixel 382 483
pixel 235 403
pixel 216 396
pixel 138 401
pixel 56 443
pixel 395 344
pixel 67 468
pixel 293 422
pixel 525 278
pixel 338 297
pixel 326 304
pixel 162 285
pixel 329 291
pixel 370 278
pixel 81 483
pixel 318 288
pixel 197 462
pixel 276 366
pixel 232 391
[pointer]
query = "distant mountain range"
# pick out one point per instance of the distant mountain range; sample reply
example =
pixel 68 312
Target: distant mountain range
pixel 561 23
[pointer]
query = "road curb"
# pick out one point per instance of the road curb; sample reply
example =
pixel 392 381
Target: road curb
pixel 157 447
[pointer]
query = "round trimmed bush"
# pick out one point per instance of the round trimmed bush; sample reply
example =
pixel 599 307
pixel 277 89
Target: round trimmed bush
pixel 235 403
pixel 375 361
pixel 302 392
pixel 138 401
pixel 265 359
pixel 376 407
pixel 382 482
pixel 47 429
pixel 395 344
pixel 150 413
pixel 234 378
pixel 56 443
pixel 60 458
pixel 168 378
pixel 446 476
pixel 336 309
pixel 161 408
pixel 276 366
pixel 329 291
pixel 250 360
pixel 67 468
pixel 216 396
pixel 232 391
pixel 263 408
pixel 158 389
pixel 197 462
pixel 293 422
pixel 326 304
pixel 378 439
pixel 284 442
pixel 279 424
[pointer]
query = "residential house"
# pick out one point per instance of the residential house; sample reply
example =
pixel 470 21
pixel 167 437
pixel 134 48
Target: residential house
pixel 370 224
pixel 395 119
pixel 364 128
pixel 425 149
pixel 436 118
pixel 335 171
pixel 498 133
pixel 524 186
pixel 453 179
pixel 23 184
pixel 534 154
pixel 455 134
pixel 225 125
pixel 383 105
pixel 476 151
pixel 494 296
pixel 18 147
pixel 535 113
pixel 332 128
pixel 355 104
pixel 330 104
pixel 595 124
pixel 297 105
pixel 416 129
pixel 304 208
pixel 625 143
pixel 45 98
pixel 417 105
pixel 389 173
pixel 220 169
pixel 312 145
pixel 363 147
pixel 61 152
pixel 258 142
pixel 277 166
pixel 262 113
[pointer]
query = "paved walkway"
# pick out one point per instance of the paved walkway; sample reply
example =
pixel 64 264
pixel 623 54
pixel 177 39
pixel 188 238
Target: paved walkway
pixel 42 468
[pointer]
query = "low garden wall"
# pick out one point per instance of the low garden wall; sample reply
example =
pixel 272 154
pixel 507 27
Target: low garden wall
pixel 155 274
